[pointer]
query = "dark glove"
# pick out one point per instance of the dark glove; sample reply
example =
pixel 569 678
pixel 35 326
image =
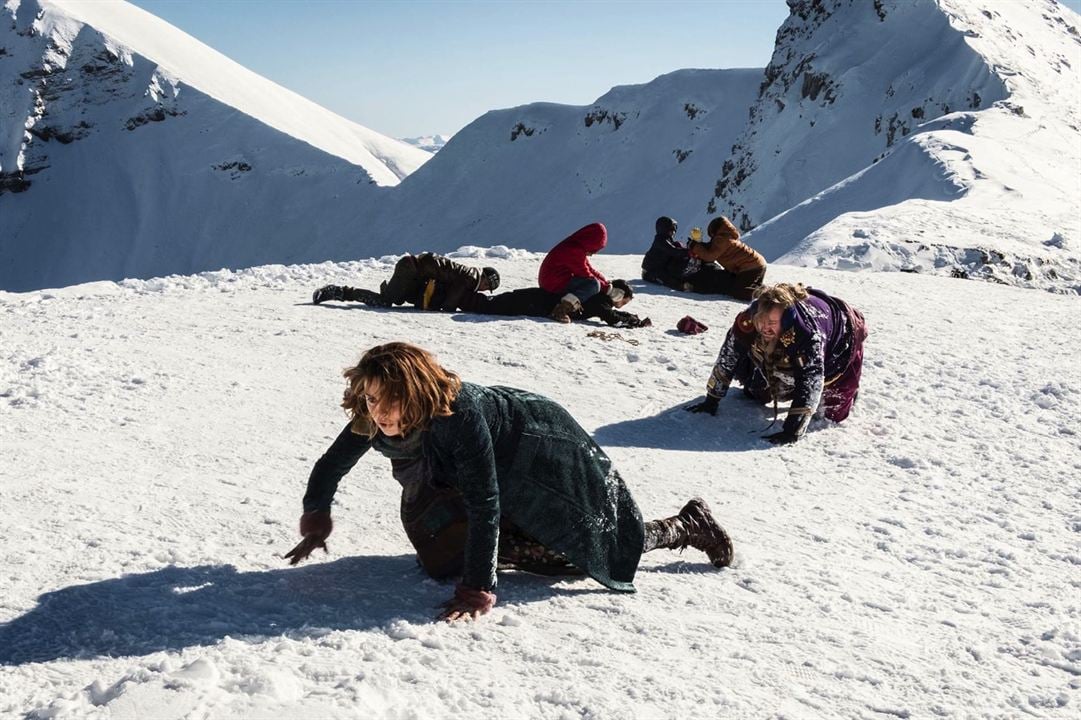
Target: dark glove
pixel 316 527
pixel 629 320
pixel 781 438
pixel 467 603
pixel 708 405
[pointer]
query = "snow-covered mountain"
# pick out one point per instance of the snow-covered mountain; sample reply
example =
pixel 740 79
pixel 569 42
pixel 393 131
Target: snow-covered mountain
pixel 428 143
pixel 939 136
pixel 528 176
pixel 919 560
pixel 926 135
pixel 129 148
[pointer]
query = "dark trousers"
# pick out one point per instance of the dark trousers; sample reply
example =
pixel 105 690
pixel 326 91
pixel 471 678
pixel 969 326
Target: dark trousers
pixel 715 280
pixel 530 302
pixel 435 522
pixel 404 285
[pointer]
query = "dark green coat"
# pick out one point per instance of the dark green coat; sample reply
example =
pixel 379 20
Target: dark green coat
pixel 513 453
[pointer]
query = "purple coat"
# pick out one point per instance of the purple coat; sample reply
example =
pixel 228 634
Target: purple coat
pixel 818 336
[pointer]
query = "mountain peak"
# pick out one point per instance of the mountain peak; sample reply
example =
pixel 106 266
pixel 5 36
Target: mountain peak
pixel 53 30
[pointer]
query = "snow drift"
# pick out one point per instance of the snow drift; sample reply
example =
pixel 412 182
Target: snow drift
pixel 919 560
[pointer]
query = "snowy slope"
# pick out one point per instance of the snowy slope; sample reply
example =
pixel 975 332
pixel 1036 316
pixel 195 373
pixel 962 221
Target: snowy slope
pixel 937 136
pixel 847 81
pixel 976 171
pixel 953 126
pixel 950 129
pixel 128 148
pixel 919 560
pixel 529 176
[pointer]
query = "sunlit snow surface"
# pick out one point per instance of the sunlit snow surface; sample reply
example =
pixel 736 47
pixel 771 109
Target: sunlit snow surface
pixel 921 559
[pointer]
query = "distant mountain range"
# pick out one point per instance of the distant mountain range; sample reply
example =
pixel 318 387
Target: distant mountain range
pixel 430 143
pixel 917 135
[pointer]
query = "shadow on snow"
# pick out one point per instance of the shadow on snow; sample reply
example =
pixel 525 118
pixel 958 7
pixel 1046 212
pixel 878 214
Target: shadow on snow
pixel 738 426
pixel 178 607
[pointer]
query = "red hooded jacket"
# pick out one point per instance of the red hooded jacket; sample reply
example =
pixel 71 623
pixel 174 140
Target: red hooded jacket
pixel 570 259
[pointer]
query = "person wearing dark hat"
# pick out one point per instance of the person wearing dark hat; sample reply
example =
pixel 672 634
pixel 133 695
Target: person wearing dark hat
pixel 428 281
pixel 668 261
pixel 721 266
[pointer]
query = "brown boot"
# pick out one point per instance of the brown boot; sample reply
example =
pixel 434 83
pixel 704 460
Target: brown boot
pixel 703 533
pixel 566 309
pixel 694 526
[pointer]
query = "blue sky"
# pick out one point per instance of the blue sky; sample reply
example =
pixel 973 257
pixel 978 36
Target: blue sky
pixel 418 68
pixel 421 67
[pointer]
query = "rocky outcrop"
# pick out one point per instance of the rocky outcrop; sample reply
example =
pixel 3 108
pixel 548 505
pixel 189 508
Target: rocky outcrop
pixel 829 57
pixel 70 76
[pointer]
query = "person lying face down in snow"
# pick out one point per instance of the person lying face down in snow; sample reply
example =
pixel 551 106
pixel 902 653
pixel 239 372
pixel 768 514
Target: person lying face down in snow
pixel 792 343
pixel 492 478
pixel 427 281
pixel 567 272
pixel 538 302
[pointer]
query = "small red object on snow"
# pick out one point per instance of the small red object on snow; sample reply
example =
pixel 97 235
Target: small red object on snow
pixel 689 326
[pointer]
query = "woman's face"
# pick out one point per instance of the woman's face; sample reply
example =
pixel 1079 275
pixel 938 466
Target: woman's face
pixel 386 415
pixel 768 323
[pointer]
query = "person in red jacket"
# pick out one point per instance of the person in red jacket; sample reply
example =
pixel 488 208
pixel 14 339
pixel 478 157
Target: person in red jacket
pixel 566 271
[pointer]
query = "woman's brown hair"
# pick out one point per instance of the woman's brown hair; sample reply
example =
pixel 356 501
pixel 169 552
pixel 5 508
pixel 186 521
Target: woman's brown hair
pixel 407 375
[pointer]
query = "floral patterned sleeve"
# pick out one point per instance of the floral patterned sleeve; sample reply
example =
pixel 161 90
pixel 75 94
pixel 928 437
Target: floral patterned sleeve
pixel 809 362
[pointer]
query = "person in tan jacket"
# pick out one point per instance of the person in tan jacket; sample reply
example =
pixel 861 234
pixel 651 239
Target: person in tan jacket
pixel 739 269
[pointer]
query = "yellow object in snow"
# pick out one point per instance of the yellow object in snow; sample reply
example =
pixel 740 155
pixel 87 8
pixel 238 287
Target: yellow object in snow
pixel 429 290
pixel 696 234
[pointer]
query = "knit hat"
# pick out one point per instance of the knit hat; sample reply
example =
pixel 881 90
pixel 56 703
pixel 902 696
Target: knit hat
pixel 689 326
pixel 666 225
pixel 490 276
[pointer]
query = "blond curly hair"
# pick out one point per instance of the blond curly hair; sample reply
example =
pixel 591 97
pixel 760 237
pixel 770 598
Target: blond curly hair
pixel 782 295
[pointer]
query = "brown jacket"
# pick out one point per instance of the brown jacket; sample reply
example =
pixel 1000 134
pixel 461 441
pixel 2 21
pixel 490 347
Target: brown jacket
pixel 733 255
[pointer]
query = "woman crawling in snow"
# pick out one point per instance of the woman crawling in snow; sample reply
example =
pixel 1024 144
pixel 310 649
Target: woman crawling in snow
pixel 492 477
pixel 792 343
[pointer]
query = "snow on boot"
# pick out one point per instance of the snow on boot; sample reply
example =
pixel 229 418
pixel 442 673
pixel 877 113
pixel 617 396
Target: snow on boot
pixel 330 292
